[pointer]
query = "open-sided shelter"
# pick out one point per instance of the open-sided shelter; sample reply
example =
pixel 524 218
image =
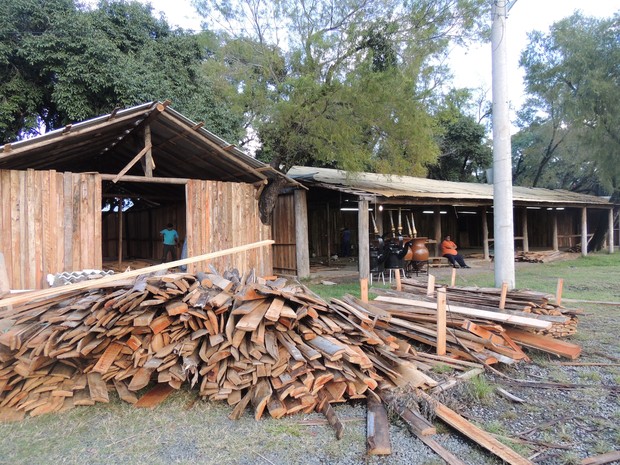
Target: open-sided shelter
pixel 102 190
pixel 543 218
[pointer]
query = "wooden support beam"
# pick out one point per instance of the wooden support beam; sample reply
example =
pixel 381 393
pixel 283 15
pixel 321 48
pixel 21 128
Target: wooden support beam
pixel 610 230
pixel 364 289
pixel 149 163
pixel 502 296
pixel 437 228
pixel 485 234
pixel 363 232
pixel 526 240
pixel 131 163
pixel 453 278
pixel 441 321
pixel 302 250
pixel 142 179
pixel 556 244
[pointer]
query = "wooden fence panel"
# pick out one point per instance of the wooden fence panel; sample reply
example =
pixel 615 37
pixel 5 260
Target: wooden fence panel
pixel 284 249
pixel 50 223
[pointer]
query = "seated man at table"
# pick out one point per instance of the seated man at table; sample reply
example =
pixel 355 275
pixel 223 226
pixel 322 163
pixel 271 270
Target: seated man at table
pixel 448 250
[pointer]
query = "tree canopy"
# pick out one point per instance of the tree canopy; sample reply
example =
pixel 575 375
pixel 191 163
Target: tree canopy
pixel 345 84
pixel 60 63
pixel 570 134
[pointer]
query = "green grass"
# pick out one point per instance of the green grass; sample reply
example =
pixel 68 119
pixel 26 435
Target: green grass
pixel 593 277
pixel 338 290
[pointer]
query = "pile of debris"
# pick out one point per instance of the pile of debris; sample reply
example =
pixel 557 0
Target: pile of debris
pixel 265 344
pixel 545 256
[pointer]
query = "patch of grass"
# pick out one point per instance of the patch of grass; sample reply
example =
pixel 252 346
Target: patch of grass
pixel 495 427
pixel 590 376
pixel 442 368
pixel 479 389
pixel 569 458
pixel 284 428
pixel 336 291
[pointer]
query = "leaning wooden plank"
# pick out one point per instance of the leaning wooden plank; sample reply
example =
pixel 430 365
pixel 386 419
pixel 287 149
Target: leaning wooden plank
pixel 124 393
pixel 602 459
pixel 96 283
pixel 260 397
pixel 474 433
pixel 544 343
pixel 155 396
pixel 485 314
pixel 327 410
pixel 97 387
pixel 377 428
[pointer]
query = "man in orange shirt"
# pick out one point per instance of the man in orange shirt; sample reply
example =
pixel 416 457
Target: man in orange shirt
pixel 448 250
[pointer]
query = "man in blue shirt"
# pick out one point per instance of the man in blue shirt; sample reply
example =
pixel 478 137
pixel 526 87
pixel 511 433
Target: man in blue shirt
pixel 171 240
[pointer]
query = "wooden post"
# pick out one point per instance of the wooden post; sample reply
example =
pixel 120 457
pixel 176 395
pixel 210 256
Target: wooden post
pixel 399 285
pixel 485 234
pixel 610 222
pixel 120 233
pixel 502 298
pixel 453 279
pixel 526 240
pixel 558 291
pixel 149 164
pixel 364 289
pixel 441 321
pixel 430 288
pixel 437 228
pixel 556 243
pixel 302 251
pixel 584 232
pixel 377 427
pixel 328 236
pixel 363 246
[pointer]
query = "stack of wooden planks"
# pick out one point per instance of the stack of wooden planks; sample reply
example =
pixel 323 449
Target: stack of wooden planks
pixel 275 346
pixel 517 302
pixel 545 256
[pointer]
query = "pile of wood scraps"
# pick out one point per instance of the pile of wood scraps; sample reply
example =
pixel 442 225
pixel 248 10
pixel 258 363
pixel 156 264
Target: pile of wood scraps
pixel 517 302
pixel 264 345
pixel 544 256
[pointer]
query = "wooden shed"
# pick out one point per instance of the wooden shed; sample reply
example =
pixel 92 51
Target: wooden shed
pixel 100 191
pixel 543 218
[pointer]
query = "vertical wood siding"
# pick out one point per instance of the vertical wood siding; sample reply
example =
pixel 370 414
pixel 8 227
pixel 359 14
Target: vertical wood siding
pixel 284 249
pixel 221 215
pixel 49 222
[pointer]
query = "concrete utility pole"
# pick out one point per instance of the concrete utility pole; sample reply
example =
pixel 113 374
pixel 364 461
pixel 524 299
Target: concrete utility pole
pixel 502 157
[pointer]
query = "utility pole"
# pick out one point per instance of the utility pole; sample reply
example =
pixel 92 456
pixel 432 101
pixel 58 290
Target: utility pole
pixel 503 227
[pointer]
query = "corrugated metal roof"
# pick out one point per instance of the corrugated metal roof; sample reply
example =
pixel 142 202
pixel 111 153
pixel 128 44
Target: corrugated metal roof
pixel 424 190
pixel 181 148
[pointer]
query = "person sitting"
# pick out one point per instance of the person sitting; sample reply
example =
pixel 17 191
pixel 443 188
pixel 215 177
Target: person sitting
pixel 448 250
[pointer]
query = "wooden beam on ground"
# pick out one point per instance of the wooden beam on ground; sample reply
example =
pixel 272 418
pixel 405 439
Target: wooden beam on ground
pixel 95 283
pixel 544 343
pixel 377 427
pixel 474 433
pixel 602 459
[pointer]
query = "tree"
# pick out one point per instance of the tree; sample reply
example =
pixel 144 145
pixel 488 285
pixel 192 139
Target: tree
pixel 573 116
pixel 351 85
pixel 60 64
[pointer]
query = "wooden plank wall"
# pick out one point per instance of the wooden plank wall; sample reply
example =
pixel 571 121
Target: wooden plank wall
pixel 50 223
pixel 221 215
pixel 284 249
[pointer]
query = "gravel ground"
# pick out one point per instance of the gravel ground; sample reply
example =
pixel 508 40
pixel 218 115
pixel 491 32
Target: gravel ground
pixel 551 427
